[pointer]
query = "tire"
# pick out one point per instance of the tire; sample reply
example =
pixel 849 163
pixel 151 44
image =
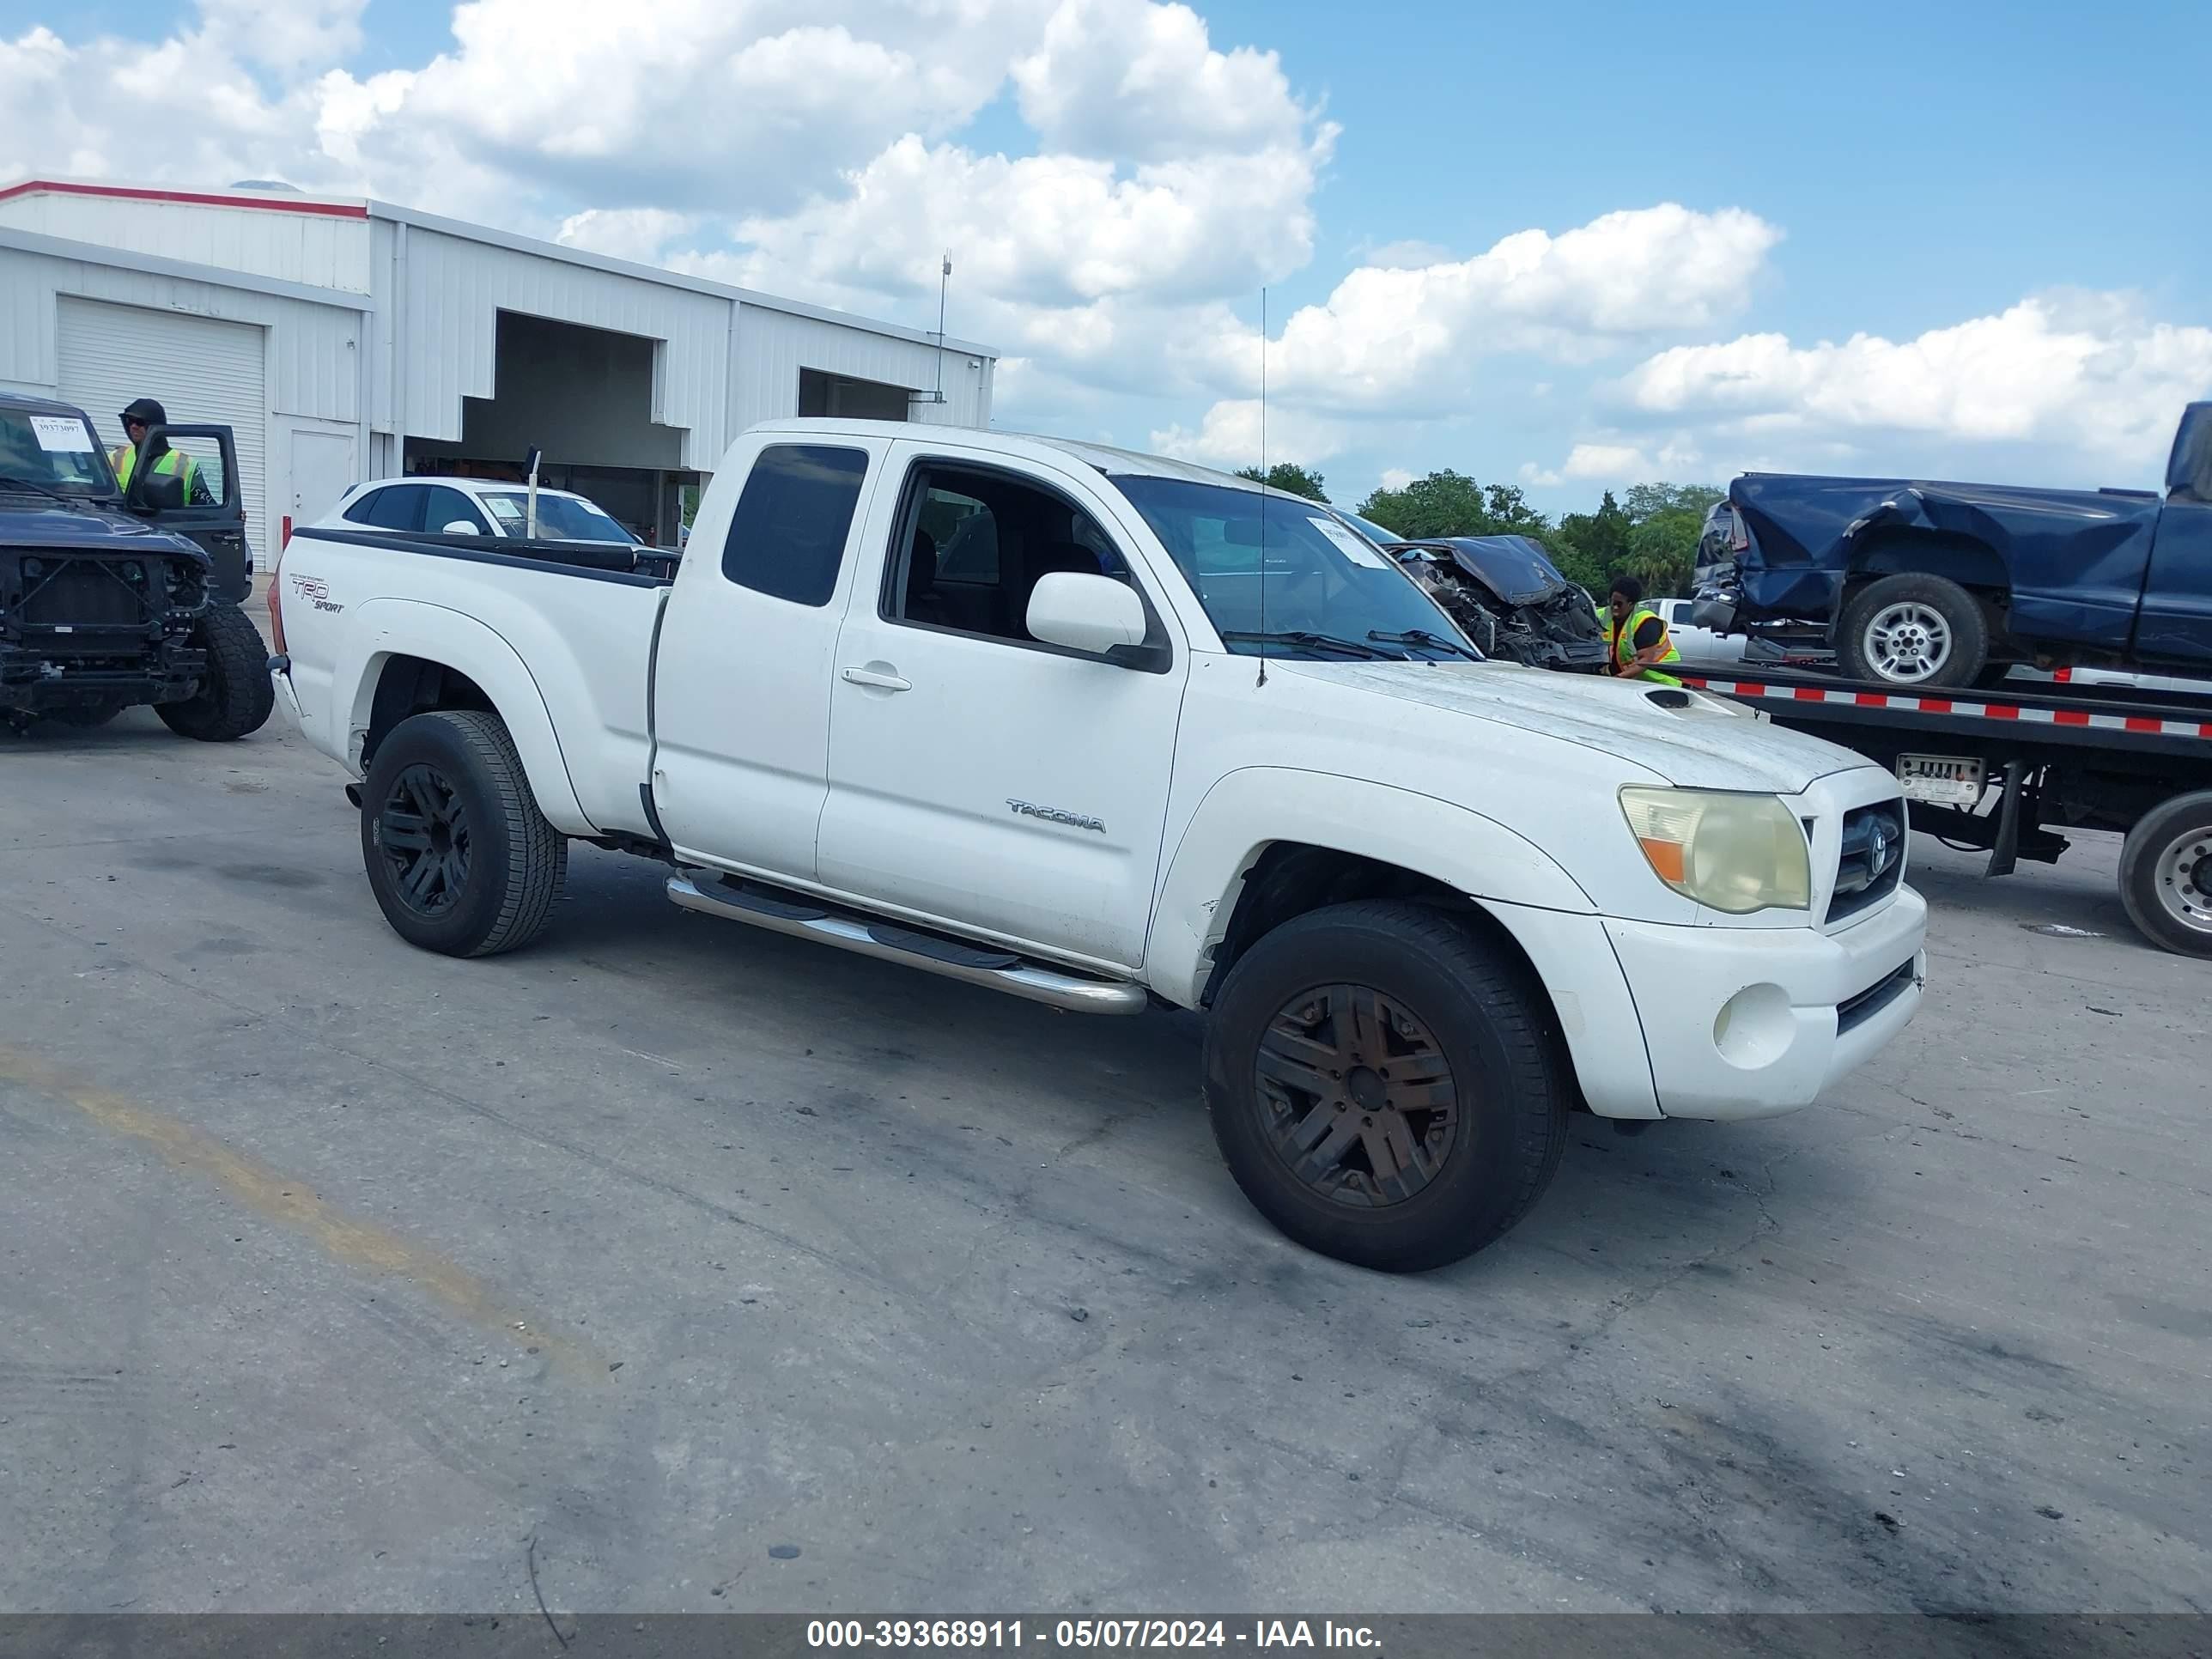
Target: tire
pixel 236 697
pixel 2165 874
pixel 488 866
pixel 1913 630
pixel 1455 1007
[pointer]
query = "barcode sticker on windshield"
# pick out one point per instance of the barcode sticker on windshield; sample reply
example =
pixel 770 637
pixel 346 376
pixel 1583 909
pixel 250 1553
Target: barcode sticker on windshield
pixel 1352 546
pixel 60 435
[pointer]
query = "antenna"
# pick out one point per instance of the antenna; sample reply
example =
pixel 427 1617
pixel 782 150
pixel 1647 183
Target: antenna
pixel 944 280
pixel 1263 486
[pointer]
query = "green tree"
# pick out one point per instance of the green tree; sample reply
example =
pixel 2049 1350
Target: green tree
pixel 1449 503
pixel 1662 549
pixel 1597 542
pixel 1648 501
pixel 1289 478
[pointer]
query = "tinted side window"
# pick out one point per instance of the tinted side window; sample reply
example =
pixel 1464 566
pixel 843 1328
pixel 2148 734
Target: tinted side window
pixel 787 535
pixel 399 507
pixel 448 505
pixel 360 511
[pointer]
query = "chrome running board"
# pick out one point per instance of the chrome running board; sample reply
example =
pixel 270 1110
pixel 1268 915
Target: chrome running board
pixel 800 917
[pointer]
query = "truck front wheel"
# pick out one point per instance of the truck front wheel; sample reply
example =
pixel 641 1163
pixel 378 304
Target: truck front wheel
pixel 1382 1087
pixel 2165 874
pixel 460 860
pixel 236 697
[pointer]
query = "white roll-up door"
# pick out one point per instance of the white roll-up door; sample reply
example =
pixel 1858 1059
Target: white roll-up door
pixel 203 372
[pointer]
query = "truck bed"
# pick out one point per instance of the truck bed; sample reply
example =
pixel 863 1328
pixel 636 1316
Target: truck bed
pixel 568 624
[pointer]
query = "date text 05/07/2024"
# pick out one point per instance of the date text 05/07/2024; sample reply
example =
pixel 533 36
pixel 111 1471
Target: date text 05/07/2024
pixel 1089 1633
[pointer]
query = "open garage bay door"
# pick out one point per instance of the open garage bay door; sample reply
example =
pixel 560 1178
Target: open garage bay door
pixel 203 372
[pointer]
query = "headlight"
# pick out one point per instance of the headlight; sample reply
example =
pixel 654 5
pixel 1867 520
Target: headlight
pixel 1731 852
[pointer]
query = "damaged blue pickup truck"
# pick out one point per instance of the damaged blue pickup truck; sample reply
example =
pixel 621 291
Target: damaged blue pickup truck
pixel 1928 584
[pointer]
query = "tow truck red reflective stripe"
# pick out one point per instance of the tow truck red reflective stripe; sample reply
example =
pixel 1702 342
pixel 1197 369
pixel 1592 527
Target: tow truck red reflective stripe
pixel 1934 705
pixel 2071 717
pixel 1999 711
pixel 1808 694
pixel 1871 700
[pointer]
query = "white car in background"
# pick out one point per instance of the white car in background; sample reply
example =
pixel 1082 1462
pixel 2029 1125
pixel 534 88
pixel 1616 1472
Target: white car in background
pixel 472 507
pixel 1697 645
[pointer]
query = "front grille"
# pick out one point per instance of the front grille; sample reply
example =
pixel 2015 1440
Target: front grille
pixel 1857 1009
pixel 1871 859
pixel 63 592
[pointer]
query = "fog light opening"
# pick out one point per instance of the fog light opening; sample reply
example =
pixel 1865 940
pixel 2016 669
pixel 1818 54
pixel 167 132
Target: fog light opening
pixel 1754 1027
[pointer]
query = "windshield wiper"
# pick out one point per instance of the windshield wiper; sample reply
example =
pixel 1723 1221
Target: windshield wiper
pixel 39 489
pixel 1311 641
pixel 1434 642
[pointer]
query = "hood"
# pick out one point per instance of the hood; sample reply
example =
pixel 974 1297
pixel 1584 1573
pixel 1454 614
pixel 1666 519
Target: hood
pixel 1710 742
pixel 1514 567
pixel 28 520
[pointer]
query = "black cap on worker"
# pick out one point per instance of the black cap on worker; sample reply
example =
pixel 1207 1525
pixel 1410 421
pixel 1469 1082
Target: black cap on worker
pixel 145 412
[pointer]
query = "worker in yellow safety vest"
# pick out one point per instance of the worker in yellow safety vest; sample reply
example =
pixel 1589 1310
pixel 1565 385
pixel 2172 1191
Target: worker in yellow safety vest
pixel 1637 642
pixel 165 463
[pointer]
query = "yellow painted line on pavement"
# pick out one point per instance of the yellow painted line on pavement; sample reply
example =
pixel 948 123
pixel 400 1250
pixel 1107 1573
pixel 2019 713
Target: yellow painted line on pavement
pixel 287 1202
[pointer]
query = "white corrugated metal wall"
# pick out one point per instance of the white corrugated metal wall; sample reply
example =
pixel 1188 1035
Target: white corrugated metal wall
pixel 451 291
pixel 773 346
pixel 322 249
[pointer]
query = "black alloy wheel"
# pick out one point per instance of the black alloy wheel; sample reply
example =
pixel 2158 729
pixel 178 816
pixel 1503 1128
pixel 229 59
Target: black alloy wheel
pixel 425 834
pixel 1361 1103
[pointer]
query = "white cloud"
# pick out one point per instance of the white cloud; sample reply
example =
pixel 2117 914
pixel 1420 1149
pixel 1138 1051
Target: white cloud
pixel 284 35
pixel 1396 477
pixel 1406 337
pixel 1127 78
pixel 1229 437
pixel 2092 371
pixel 1617 463
pixel 640 234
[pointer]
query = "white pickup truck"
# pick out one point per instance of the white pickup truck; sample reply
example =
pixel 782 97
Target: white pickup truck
pixel 1102 730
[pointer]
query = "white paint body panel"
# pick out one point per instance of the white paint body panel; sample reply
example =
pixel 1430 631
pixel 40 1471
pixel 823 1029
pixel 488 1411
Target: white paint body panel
pixel 1165 788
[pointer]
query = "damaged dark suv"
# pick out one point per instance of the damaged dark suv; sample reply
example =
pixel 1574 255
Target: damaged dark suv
pixel 1510 600
pixel 109 600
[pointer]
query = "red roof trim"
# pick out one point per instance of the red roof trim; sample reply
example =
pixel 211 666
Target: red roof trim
pixel 198 199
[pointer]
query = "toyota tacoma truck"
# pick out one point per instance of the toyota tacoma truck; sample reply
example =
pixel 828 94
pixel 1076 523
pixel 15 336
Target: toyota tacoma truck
pixel 1924 584
pixel 110 598
pixel 1106 730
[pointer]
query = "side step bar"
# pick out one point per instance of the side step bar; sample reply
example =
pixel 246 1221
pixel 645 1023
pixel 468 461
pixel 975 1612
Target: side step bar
pixel 794 914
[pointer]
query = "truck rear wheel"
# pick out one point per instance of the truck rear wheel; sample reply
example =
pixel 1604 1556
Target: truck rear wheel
pixel 1381 1087
pixel 2165 874
pixel 1913 629
pixel 460 860
pixel 236 697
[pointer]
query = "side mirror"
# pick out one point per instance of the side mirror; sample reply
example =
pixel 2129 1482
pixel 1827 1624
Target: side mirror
pixel 2188 469
pixel 462 527
pixel 1091 613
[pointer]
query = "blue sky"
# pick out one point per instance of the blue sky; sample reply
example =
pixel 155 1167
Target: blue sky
pixel 2005 201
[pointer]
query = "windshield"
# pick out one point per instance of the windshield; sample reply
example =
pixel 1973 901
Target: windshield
pixel 560 518
pixel 1321 578
pixel 54 451
pixel 1367 528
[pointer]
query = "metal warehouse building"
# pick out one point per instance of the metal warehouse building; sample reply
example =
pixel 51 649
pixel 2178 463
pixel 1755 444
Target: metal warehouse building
pixel 345 340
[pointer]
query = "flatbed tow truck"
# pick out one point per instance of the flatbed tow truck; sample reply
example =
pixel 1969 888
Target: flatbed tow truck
pixel 2005 772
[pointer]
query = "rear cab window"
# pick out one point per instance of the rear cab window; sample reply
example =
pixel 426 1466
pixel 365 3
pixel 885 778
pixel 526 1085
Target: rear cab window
pixel 793 521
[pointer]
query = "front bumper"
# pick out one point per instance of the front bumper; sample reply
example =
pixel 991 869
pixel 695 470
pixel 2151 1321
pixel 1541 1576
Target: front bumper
pixel 1745 1022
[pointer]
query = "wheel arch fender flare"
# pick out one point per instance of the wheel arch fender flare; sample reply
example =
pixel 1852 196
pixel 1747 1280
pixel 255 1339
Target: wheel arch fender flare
pixel 385 629
pixel 1250 810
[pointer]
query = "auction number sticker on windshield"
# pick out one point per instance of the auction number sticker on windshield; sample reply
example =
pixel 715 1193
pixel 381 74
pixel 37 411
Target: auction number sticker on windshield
pixel 503 507
pixel 1353 547
pixel 60 435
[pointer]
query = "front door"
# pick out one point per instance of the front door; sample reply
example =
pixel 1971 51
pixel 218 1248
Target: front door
pixel 212 512
pixel 2175 623
pixel 975 773
pixel 742 678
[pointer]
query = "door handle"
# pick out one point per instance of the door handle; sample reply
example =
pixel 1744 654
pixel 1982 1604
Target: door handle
pixel 880 679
